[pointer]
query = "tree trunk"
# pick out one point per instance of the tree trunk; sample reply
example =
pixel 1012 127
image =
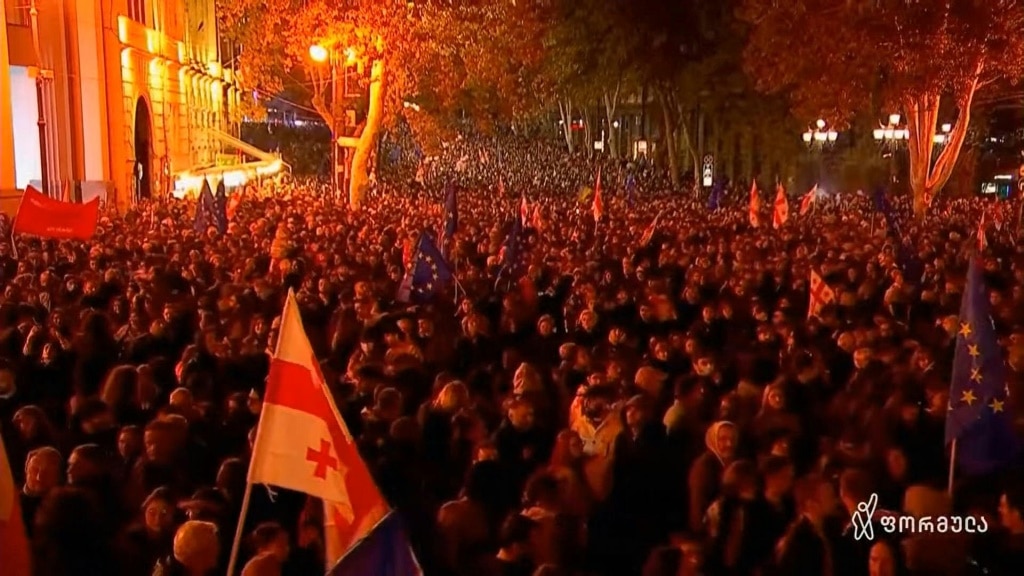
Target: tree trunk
pixel 928 178
pixel 359 179
pixel 669 137
pixel 565 112
pixel 611 102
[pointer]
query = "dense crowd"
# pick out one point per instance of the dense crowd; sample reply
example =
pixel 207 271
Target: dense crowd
pixel 625 408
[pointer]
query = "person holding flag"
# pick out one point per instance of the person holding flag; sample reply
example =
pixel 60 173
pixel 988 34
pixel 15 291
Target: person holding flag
pixel 807 202
pixel 979 426
pixel 302 444
pixel 780 212
pixel 755 206
pixel 821 295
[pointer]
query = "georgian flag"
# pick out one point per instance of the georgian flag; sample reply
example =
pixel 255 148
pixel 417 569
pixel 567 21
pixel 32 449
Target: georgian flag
pixel 780 213
pixel 755 206
pixel 821 295
pixel 808 200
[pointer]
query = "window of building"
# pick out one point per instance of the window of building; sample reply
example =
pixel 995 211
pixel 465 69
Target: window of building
pixel 137 10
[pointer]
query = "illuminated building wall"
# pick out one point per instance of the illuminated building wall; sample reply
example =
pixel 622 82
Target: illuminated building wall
pixel 135 82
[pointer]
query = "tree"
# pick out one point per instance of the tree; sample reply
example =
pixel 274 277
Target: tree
pixel 443 54
pixel 923 58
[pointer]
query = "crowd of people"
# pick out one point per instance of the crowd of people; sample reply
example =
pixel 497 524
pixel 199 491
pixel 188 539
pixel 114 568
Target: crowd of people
pixel 666 408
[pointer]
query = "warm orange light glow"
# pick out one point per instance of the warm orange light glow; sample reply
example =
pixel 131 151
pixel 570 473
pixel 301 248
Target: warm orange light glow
pixel 182 53
pixel 318 53
pixel 152 41
pixel 122 29
pixel 350 56
pixel 214 69
pixel 126 57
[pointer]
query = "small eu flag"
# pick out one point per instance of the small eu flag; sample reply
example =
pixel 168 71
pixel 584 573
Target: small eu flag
pixel 428 273
pixel 206 209
pixel 514 254
pixel 978 419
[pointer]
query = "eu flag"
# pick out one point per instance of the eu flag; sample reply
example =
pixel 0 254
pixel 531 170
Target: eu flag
pixel 220 212
pixel 206 208
pixel 715 200
pixel 428 273
pixel 451 217
pixel 977 418
pixel 514 254
pixel 384 552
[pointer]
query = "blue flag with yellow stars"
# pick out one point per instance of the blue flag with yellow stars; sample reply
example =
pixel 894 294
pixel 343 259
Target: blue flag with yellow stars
pixel 513 256
pixel 978 418
pixel 206 209
pixel 427 275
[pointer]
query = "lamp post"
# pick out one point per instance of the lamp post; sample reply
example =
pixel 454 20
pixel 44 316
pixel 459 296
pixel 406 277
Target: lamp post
pixel 819 137
pixel 44 160
pixel 327 54
pixel 892 136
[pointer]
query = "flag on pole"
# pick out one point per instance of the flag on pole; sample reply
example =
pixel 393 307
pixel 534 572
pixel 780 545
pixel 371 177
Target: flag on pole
pixel 715 199
pixel 821 295
pixel 981 234
pixel 427 275
pixel 780 213
pixel 524 211
pixel 598 201
pixel 233 203
pixel 220 208
pixel 649 233
pixel 451 218
pixel 755 206
pixel 14 548
pixel 537 220
pixel 302 443
pixel 808 200
pixel 206 207
pixel 977 418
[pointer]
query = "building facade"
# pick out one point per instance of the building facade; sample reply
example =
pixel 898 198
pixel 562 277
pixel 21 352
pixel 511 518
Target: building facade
pixel 132 92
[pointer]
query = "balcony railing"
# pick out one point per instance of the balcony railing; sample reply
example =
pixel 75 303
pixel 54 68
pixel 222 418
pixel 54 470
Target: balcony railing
pixel 17 12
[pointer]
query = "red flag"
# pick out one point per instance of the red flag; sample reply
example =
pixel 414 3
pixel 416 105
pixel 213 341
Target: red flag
pixel 14 550
pixel 40 215
pixel 598 201
pixel 755 206
pixel 538 220
pixel 781 211
pixel 652 228
pixel 808 200
pixel 821 295
pixel 524 211
pixel 302 443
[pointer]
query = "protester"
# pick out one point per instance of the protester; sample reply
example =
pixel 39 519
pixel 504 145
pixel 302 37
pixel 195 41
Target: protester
pixel 619 407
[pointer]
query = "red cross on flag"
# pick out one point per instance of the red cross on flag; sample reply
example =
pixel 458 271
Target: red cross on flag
pixel 781 211
pixel 821 295
pixel 755 206
pixel 302 443
pixel 808 200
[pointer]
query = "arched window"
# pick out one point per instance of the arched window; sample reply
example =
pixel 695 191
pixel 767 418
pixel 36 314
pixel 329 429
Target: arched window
pixel 137 11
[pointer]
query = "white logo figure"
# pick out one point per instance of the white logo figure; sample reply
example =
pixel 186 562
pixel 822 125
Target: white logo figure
pixel 862 527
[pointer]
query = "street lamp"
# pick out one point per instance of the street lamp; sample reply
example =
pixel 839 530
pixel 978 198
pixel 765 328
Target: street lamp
pixel 321 55
pixel 318 53
pixel 820 135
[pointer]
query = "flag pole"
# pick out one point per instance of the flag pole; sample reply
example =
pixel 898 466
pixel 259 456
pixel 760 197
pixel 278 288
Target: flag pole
pixel 240 529
pixel 952 467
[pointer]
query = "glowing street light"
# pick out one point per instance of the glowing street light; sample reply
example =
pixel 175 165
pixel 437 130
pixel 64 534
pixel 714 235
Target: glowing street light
pixel 318 53
pixel 820 135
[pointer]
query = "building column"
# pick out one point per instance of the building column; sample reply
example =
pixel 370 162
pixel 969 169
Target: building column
pixel 6 115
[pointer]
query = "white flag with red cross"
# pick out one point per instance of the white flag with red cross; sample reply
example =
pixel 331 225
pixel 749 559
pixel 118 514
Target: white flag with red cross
pixel 821 295
pixel 302 443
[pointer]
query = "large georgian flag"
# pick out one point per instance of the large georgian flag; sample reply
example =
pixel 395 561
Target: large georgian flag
pixel 754 210
pixel 302 443
pixel 15 559
pixel 780 213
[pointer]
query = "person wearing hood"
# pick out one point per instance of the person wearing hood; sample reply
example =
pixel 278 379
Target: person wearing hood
pixel 706 472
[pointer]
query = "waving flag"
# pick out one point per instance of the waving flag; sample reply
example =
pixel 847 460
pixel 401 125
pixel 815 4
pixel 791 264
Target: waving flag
pixel 234 201
pixel 428 273
pixel 977 418
pixel 981 233
pixel 598 201
pixel 220 208
pixel 302 443
pixel 537 220
pixel 206 207
pixel 385 552
pixel 451 217
pixel 780 213
pixel 524 210
pixel 14 548
pixel 40 215
pixel 755 206
pixel 808 200
pixel 715 199
pixel 513 255
pixel 649 233
pixel 821 295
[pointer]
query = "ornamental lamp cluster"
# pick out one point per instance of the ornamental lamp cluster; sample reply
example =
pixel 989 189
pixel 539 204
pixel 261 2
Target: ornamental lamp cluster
pixel 820 134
